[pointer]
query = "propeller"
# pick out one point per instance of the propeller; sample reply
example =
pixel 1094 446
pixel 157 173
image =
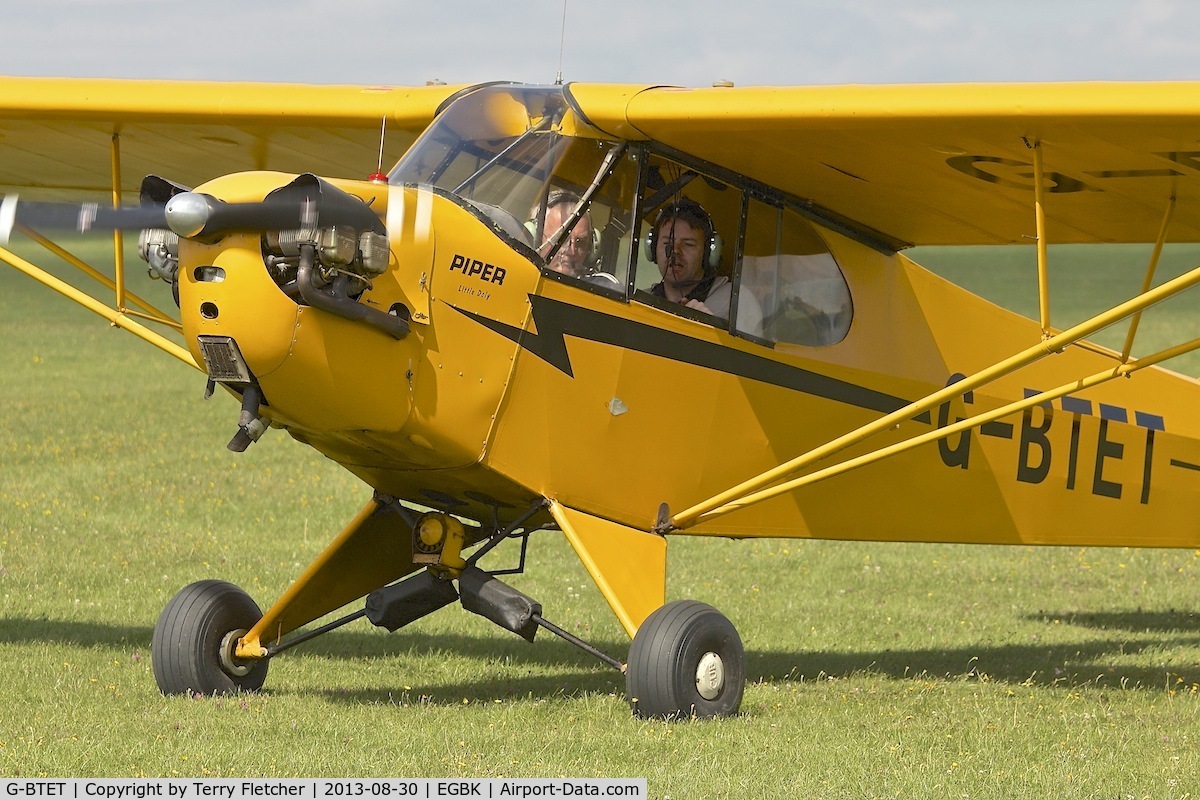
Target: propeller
pixel 302 204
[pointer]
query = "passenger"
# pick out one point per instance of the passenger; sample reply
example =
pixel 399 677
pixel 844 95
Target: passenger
pixel 685 246
pixel 576 254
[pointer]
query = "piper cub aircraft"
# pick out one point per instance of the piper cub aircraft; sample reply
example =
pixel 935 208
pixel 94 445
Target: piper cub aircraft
pixel 628 313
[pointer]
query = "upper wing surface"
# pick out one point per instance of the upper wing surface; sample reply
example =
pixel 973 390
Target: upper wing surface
pixel 948 164
pixel 56 135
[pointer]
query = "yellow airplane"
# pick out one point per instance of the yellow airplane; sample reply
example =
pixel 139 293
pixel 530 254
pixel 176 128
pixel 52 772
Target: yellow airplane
pixel 627 313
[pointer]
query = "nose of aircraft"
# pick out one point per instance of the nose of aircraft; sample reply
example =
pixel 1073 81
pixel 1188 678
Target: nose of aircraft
pixel 284 285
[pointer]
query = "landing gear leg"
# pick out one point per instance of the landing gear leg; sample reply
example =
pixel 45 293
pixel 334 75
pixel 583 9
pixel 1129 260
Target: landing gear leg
pixel 686 661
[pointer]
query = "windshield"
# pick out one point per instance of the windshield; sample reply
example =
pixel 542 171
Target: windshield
pixel 503 150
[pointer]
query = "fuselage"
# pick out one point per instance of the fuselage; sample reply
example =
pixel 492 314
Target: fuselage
pixel 515 382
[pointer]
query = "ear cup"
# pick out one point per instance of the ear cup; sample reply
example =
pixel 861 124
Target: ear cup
pixel 712 253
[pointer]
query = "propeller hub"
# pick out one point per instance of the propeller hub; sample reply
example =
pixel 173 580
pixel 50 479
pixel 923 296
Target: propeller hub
pixel 188 213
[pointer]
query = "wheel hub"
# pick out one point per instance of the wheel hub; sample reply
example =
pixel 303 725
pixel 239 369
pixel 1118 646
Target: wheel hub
pixel 238 669
pixel 710 676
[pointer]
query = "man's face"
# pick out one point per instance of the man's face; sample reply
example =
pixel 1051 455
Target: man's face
pixel 680 251
pixel 572 257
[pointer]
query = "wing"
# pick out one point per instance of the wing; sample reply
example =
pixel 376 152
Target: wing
pixel 946 164
pixel 57 135
pixel 78 140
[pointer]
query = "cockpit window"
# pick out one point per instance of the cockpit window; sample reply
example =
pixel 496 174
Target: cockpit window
pixel 507 152
pixel 688 260
pixel 798 285
pixel 565 194
pixel 717 251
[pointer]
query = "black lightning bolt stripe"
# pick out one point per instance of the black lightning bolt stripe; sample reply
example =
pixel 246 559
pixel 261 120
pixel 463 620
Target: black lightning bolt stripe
pixel 556 320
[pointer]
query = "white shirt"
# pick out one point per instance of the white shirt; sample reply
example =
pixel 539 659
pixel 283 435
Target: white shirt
pixel 749 312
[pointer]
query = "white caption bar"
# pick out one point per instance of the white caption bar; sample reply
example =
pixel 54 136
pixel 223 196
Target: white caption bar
pixel 320 788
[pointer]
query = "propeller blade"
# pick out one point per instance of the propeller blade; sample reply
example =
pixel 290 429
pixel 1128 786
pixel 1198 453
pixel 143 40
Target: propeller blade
pixel 194 215
pixel 305 203
pixel 78 217
pixel 302 204
pixel 156 190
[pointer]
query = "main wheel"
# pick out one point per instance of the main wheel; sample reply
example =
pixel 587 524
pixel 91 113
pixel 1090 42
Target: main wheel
pixel 194 639
pixel 686 661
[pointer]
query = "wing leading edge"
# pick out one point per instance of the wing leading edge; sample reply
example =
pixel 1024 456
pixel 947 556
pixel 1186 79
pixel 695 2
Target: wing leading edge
pixel 922 164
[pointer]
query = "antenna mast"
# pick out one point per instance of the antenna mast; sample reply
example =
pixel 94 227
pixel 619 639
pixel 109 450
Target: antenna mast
pixel 558 79
pixel 379 176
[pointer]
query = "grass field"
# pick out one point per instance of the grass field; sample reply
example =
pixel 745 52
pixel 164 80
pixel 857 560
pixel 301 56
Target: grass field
pixel 876 671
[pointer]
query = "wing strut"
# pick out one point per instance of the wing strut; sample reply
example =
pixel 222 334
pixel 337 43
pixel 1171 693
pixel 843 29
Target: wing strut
pixel 1149 279
pixel 1042 398
pixel 118 314
pixel 118 240
pixel 1039 216
pixel 117 318
pixel 764 486
pixel 152 313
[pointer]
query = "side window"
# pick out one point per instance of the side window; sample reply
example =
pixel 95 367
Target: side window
pixel 788 269
pixel 597 247
pixel 688 234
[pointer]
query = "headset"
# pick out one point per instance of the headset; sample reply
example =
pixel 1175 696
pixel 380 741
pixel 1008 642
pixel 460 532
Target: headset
pixel 694 214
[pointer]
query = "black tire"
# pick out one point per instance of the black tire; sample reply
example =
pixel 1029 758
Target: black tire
pixel 193 629
pixel 678 647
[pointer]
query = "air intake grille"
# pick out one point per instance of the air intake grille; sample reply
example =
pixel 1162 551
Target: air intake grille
pixel 223 361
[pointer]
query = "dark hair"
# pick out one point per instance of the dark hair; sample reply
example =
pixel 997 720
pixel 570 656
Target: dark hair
pixel 691 212
pixel 688 210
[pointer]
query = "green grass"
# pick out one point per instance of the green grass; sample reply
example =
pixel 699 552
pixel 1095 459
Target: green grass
pixel 876 671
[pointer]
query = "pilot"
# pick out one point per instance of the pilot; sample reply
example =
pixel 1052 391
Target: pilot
pixel 685 246
pixel 575 255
